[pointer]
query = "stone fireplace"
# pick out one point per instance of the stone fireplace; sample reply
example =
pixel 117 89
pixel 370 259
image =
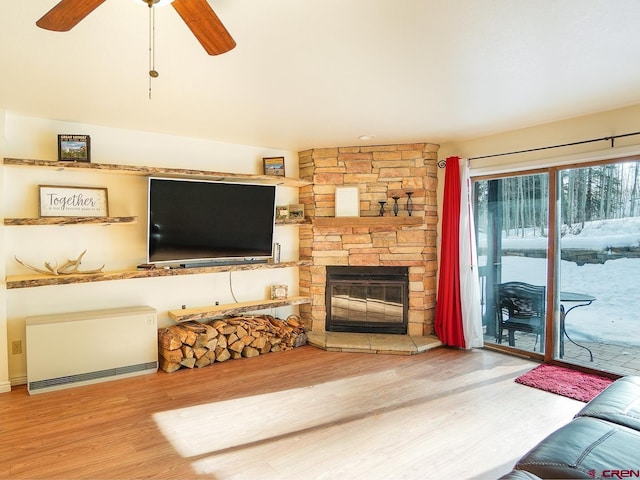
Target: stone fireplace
pixel 371 240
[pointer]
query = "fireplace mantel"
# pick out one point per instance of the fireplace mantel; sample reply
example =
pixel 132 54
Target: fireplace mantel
pixel 367 221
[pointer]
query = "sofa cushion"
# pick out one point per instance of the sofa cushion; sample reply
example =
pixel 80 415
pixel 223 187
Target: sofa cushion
pixel 618 403
pixel 519 475
pixel 585 448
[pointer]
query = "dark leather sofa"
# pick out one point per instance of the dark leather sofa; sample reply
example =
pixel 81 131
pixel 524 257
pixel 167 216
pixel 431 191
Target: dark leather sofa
pixel 602 441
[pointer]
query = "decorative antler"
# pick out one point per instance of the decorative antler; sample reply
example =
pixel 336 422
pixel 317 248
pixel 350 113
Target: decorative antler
pixel 68 268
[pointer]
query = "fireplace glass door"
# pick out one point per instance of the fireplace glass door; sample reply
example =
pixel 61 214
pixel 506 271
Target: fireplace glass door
pixel 367 306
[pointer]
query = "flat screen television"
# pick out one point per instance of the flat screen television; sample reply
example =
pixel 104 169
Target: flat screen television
pixel 194 222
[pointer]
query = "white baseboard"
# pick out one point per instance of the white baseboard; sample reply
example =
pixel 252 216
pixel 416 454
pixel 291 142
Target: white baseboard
pixel 15 381
pixel 5 387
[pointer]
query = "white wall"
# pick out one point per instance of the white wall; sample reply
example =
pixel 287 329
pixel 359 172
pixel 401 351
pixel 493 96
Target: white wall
pixel 117 246
pixel 612 122
pixel 4 366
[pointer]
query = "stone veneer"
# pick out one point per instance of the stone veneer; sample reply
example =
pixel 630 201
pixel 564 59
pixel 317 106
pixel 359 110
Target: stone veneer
pixel 380 172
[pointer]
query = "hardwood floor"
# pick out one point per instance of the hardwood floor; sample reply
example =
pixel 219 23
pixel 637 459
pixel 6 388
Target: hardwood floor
pixel 302 414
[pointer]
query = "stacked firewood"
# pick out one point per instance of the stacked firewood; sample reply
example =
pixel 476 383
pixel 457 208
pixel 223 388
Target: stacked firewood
pixel 196 344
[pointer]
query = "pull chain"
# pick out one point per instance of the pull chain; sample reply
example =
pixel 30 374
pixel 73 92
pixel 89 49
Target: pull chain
pixel 152 46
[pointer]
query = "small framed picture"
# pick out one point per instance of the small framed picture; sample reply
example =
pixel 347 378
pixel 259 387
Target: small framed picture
pixel 60 201
pixel 274 166
pixel 74 148
pixel 279 292
pixel 347 202
pixel 282 212
pixel 296 211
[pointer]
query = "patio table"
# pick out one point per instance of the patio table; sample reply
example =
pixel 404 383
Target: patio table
pixel 580 300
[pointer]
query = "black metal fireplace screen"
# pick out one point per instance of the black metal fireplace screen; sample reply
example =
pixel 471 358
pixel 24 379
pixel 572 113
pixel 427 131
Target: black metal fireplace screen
pixel 367 299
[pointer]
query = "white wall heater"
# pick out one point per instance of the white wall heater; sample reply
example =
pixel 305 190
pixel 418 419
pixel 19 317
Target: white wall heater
pixel 79 348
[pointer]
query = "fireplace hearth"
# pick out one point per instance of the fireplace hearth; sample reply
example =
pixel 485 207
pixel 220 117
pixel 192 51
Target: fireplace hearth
pixel 367 299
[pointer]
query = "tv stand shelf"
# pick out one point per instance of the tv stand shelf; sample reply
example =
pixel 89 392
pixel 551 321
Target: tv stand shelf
pixel 36 280
pixel 201 313
pixel 158 171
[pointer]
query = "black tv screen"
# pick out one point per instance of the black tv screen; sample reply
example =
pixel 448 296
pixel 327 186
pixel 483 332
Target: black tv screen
pixel 194 221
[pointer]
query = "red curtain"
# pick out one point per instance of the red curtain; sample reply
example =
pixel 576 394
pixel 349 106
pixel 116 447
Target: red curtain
pixel 448 320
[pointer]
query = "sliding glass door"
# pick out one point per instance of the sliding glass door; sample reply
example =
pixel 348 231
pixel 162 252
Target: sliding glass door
pixel 512 229
pixel 599 270
pixel 586 232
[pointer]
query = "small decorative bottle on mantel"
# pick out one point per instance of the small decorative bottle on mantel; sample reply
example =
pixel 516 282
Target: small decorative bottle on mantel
pixel 395 204
pixel 382 203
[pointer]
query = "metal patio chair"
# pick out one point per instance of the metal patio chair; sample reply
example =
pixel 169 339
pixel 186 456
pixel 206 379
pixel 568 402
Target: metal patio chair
pixel 520 307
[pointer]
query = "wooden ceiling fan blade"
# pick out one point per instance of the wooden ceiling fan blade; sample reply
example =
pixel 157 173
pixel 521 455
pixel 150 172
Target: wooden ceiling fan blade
pixel 67 14
pixel 205 25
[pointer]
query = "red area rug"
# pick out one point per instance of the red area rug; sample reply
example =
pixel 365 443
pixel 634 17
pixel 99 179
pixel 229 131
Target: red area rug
pixel 564 381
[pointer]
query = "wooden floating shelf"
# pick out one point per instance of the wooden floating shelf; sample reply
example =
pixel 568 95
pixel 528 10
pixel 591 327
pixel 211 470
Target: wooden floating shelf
pixel 102 221
pixel 367 221
pixel 35 280
pixel 159 171
pixel 294 222
pixel 70 221
pixel 191 314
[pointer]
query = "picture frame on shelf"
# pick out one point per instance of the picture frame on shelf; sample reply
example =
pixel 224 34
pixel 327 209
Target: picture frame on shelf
pixel 282 212
pixel 296 211
pixel 279 292
pixel 347 201
pixel 74 148
pixel 274 166
pixel 70 201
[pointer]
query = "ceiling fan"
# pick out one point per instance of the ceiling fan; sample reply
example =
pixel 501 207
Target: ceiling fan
pixel 197 14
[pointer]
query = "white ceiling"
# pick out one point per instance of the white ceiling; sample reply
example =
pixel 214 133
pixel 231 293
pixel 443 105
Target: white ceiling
pixel 320 73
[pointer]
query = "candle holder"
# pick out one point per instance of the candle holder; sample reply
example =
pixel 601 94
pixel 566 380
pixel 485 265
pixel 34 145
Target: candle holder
pixel 395 204
pixel 382 203
pixel 409 203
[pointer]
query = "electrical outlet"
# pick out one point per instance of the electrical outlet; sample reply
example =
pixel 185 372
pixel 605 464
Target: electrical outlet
pixel 16 347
